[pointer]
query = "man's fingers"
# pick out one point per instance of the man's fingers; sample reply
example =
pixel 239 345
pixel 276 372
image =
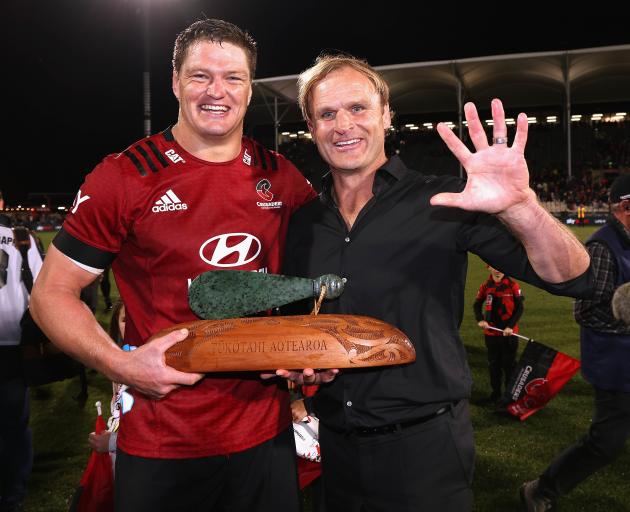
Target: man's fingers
pixel 457 147
pixel 285 374
pixel 167 341
pixel 446 199
pixel 499 128
pixel 520 139
pixel 328 375
pixel 175 376
pixel 475 128
pixel 307 376
pixel 184 378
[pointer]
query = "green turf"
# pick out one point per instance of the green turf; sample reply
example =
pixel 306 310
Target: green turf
pixel 508 451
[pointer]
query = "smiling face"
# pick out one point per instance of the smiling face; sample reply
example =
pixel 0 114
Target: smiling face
pixel 348 122
pixel 213 87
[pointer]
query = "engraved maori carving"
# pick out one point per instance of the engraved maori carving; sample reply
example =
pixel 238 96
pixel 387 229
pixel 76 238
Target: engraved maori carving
pixel 268 343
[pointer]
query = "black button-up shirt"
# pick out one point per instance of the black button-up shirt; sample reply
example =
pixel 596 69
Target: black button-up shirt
pixel 404 262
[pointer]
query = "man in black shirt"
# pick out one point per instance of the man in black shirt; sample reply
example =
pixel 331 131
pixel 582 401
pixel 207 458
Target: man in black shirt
pixel 400 438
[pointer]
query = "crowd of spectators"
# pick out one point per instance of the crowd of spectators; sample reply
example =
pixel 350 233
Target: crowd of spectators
pixel 600 152
pixel 36 219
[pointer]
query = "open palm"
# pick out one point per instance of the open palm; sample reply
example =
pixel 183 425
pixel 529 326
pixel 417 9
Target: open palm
pixel 498 177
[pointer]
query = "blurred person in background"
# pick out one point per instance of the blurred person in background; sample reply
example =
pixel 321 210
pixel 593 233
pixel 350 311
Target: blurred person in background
pixel 499 304
pixel 16 450
pixel 106 440
pixel 605 358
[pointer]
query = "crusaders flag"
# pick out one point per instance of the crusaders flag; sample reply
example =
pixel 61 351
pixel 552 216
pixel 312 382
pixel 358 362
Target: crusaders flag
pixel 539 375
pixel 96 488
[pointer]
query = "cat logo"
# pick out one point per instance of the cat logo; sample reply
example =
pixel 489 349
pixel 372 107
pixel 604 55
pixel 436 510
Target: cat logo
pixel 174 157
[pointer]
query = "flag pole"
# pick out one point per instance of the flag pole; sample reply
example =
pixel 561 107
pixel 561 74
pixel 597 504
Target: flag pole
pixel 513 334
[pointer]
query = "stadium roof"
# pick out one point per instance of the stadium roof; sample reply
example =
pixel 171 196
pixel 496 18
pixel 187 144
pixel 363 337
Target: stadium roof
pixel 587 76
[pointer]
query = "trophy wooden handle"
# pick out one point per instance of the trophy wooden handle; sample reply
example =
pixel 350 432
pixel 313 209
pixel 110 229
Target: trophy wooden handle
pixel 290 342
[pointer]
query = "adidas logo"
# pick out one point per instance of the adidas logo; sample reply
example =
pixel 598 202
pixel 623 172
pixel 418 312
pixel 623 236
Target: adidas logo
pixel 169 202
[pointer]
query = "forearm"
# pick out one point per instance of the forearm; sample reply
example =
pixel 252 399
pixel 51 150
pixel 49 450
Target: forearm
pixel 56 292
pixel 555 254
pixel 82 337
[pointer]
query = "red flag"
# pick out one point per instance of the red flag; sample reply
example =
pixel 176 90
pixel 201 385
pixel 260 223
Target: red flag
pixel 96 488
pixel 308 471
pixel 540 374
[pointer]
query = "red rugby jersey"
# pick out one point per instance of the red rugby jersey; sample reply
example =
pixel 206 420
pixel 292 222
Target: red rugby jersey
pixel 163 217
pixel 504 294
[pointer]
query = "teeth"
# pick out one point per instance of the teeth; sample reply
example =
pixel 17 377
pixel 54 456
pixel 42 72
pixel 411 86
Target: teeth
pixel 214 108
pixel 346 142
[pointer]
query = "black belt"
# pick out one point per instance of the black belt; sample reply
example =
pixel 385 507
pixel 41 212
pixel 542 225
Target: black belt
pixel 395 427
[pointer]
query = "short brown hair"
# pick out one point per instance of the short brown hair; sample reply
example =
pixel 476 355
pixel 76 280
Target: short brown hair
pixel 215 31
pixel 327 63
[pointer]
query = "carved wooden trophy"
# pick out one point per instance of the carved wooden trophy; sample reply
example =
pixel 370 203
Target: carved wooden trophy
pixel 227 341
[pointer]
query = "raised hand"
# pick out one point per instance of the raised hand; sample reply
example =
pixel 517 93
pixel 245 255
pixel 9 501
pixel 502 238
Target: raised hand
pixel 498 177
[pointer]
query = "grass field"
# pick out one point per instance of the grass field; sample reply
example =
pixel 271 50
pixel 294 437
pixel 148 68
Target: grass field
pixel 508 451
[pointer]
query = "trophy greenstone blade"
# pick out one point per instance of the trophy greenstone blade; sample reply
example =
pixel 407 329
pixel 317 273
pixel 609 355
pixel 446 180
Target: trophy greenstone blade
pixel 220 294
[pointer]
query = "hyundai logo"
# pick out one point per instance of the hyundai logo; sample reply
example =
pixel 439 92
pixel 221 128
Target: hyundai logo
pixel 230 249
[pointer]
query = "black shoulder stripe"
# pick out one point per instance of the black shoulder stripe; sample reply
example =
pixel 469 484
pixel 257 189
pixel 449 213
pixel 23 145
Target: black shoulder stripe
pixel 168 135
pixel 146 157
pixel 82 252
pixel 261 154
pixel 273 160
pixel 135 161
pixel 157 154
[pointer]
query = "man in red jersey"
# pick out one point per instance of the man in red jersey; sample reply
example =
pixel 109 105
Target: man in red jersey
pixel 198 196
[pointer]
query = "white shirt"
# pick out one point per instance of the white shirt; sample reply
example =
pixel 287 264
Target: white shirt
pixel 13 294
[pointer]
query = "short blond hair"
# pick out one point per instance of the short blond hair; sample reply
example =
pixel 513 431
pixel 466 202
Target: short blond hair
pixel 326 64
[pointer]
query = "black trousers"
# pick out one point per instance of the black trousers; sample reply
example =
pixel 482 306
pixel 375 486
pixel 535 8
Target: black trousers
pixel 16 449
pixel 501 360
pixel 261 479
pixel 604 441
pixel 426 467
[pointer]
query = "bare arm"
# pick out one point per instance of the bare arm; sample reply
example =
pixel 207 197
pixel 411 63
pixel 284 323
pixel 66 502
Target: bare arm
pixel 56 295
pixel 553 251
pixel 498 183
